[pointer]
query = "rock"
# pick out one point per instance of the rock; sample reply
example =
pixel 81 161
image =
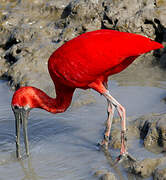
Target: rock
pixel 105 175
pixel 163 61
pixel 3 68
pixel 100 172
pixel 145 167
pixel 3 65
pixel 159 174
pixel 161 129
pixel 152 130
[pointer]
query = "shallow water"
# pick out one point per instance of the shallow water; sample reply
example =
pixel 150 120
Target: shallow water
pixel 63 146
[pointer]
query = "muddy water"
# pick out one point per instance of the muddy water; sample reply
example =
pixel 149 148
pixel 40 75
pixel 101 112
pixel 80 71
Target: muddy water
pixel 63 146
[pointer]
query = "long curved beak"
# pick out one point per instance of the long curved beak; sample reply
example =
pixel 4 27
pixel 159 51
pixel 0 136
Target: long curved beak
pixel 21 117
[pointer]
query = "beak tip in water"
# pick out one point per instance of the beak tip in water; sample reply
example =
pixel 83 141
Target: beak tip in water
pixel 21 117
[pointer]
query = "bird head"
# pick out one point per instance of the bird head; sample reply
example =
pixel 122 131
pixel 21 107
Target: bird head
pixel 24 99
pixel 21 110
pixel 20 104
pixel 21 113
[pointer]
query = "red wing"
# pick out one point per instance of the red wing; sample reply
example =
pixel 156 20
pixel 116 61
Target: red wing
pixel 92 54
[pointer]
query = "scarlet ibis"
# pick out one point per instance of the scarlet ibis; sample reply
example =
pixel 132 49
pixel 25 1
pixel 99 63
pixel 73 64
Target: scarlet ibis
pixel 83 62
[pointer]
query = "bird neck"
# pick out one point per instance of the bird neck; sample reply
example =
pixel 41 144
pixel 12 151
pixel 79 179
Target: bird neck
pixel 56 105
pixel 32 97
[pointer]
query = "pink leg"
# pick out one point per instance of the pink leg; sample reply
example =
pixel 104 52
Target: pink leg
pixel 110 111
pixel 122 114
pixel 102 89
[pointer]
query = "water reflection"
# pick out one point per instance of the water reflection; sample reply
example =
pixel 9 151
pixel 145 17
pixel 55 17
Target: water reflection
pixel 28 170
pixel 63 146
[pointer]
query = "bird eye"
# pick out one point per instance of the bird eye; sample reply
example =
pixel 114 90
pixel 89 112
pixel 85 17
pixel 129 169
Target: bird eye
pixel 15 107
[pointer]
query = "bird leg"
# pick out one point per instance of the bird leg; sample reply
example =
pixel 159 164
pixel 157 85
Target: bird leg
pixel 122 113
pixel 110 112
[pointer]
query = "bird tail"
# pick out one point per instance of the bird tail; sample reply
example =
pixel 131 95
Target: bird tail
pixel 155 45
pixel 137 45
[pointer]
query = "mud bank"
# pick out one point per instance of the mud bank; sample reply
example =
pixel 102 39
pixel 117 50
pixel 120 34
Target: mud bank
pixel 30 30
pixel 151 130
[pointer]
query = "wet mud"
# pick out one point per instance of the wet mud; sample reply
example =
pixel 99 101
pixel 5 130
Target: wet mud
pixel 160 174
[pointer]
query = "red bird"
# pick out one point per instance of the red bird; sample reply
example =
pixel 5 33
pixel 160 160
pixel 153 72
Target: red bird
pixel 83 62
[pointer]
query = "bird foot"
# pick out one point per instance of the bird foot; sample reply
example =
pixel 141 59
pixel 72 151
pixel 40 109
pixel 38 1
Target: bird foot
pixel 23 157
pixel 103 145
pixel 123 157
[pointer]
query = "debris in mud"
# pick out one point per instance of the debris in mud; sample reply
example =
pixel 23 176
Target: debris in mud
pixel 143 168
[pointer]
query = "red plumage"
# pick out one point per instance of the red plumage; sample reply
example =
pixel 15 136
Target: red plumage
pixel 89 56
pixel 92 57
pixel 85 62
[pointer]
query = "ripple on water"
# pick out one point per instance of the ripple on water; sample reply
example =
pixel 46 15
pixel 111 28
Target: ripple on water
pixel 63 146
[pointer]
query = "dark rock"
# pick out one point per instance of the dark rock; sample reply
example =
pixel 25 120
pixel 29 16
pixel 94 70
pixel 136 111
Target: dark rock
pixel 159 174
pixel 153 131
pixel 144 168
pixel 105 175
